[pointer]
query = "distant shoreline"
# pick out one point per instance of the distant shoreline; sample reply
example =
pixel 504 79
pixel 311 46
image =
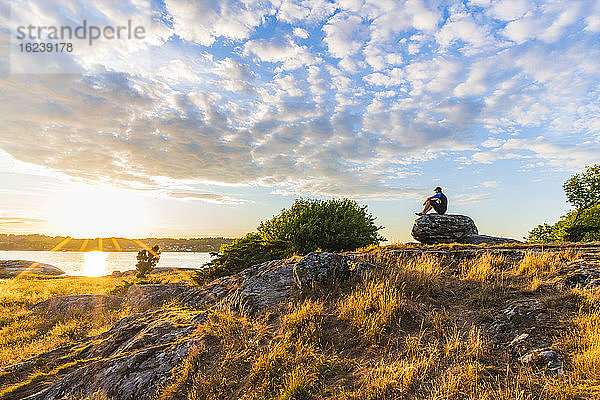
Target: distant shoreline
pixel 36 242
pixel 106 251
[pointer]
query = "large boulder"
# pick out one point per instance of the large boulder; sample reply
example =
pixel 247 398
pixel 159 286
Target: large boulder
pixel 77 304
pixel 144 297
pixel 443 228
pixel 10 268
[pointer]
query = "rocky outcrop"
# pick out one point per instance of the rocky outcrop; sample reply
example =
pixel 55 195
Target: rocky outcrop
pixel 521 330
pixel 448 228
pixel 10 268
pixel 77 304
pixel 137 354
pixel 271 283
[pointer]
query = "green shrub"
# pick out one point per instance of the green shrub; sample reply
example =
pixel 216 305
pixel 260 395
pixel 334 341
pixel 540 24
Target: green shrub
pixel 308 225
pixel 329 225
pixel 147 260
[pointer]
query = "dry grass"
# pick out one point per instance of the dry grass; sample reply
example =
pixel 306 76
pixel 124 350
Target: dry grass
pixel 408 331
pixel 416 328
pixel 24 333
pixel 484 268
pixel 374 308
pixel 539 265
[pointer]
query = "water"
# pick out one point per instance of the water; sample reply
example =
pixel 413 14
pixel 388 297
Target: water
pixel 96 263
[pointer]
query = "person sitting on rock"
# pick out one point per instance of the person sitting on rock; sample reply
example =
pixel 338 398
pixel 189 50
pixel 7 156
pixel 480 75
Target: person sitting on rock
pixel 439 202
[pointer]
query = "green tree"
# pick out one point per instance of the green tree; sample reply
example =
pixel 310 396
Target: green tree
pixel 583 223
pixel 308 225
pixel 147 260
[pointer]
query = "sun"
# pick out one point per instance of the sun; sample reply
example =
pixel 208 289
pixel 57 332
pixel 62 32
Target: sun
pixel 88 211
pixel 94 263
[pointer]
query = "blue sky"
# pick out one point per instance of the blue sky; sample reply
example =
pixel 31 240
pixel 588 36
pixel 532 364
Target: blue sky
pixel 228 110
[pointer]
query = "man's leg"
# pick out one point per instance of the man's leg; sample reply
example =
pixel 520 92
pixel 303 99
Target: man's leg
pixel 427 208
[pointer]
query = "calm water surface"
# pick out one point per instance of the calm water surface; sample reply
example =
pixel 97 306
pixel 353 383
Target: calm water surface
pixel 96 263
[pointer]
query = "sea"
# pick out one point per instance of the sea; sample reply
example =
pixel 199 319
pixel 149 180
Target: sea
pixel 98 263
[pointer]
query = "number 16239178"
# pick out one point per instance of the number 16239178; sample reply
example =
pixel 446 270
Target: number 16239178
pixel 46 47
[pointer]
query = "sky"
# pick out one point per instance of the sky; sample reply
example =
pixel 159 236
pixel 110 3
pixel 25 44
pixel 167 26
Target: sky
pixel 226 111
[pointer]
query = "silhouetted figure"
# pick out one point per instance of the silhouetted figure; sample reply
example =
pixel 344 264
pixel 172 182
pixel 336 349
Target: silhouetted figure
pixel 439 202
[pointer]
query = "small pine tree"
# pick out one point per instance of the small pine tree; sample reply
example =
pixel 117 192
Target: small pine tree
pixel 147 260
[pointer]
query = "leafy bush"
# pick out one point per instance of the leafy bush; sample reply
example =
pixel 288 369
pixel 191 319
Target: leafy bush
pixel 308 225
pixel 147 260
pixel 560 231
pixel 332 225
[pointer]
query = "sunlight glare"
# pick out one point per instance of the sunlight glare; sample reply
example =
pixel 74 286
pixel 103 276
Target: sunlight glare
pixel 95 263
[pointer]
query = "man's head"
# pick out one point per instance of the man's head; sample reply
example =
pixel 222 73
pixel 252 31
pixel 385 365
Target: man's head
pixel 438 190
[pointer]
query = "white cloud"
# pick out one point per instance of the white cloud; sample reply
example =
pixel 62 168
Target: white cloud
pixel 280 50
pixel 250 98
pixel 207 197
pixel 470 198
pixel 508 10
pixel 204 21
pixel 307 11
pixel 301 33
pixel 548 23
pixel 462 27
pixel 343 34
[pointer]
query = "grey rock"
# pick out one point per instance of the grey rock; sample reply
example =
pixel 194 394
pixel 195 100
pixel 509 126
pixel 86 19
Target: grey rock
pixel 546 359
pixel 77 304
pixel 525 311
pixel 271 283
pixel 585 277
pixel 10 268
pixel 436 228
pixel 518 339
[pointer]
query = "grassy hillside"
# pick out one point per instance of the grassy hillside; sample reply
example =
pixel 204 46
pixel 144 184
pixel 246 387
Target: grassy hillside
pixel 416 328
pixel 442 322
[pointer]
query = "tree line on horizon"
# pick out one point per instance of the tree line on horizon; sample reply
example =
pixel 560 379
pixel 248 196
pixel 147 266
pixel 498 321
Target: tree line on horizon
pixel 37 242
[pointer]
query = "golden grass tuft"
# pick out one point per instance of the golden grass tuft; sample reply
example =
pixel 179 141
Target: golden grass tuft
pixel 484 268
pixel 543 264
pixel 373 308
pixel 304 322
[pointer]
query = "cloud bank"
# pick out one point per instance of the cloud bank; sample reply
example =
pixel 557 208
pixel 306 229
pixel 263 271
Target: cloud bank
pixel 316 97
